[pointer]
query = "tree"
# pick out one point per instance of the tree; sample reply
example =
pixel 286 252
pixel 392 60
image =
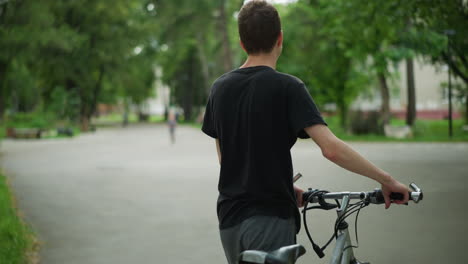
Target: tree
pixel 373 36
pixel 411 90
pixel 371 32
pixel 314 51
pixel 447 19
pixel 104 38
pixel 25 27
pixel 135 79
pixel 190 53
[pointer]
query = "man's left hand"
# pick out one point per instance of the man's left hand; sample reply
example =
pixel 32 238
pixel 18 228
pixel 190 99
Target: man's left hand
pixel 298 191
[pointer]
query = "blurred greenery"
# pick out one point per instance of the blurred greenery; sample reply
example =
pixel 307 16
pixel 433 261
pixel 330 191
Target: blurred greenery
pixel 15 237
pixel 38 120
pixel 423 131
pixel 60 59
pixel 117 119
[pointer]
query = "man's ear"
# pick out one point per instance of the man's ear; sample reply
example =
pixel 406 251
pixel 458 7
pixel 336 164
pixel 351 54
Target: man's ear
pixel 242 45
pixel 279 42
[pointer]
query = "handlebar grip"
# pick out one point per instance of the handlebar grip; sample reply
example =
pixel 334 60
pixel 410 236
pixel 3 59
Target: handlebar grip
pixel 378 198
pixel 397 196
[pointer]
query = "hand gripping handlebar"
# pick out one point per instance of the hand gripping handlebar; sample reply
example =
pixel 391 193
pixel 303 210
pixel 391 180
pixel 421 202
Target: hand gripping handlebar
pixel 374 197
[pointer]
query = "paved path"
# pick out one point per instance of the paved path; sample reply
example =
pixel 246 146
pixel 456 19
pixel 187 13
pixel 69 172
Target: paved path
pixel 128 196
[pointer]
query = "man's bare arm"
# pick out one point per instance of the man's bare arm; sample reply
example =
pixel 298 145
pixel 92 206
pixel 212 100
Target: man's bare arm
pixel 343 155
pixel 218 150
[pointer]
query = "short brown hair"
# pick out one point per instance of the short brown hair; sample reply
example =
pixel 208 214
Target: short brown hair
pixel 259 26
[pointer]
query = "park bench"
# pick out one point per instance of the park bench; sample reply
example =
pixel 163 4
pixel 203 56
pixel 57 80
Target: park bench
pixel 24 132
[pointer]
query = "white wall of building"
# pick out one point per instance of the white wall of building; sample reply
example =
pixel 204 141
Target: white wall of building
pixel 158 104
pixel 429 94
pixel 428 80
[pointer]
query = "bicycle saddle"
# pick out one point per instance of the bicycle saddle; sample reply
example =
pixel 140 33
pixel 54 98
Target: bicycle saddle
pixel 284 255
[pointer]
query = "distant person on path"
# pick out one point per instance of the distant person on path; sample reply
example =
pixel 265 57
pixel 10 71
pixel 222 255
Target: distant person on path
pixel 172 123
pixel 256 114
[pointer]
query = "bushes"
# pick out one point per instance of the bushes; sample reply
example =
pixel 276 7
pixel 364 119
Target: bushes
pixel 31 120
pixel 366 123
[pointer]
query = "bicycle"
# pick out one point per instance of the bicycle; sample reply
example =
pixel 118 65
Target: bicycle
pixel 343 252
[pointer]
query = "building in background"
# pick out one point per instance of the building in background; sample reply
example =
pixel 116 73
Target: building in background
pixel 431 98
pixel 159 104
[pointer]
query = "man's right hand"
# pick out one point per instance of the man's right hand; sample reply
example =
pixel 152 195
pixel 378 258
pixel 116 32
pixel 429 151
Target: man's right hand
pixel 393 186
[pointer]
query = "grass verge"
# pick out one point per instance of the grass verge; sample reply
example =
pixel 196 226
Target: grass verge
pixel 423 131
pixel 18 244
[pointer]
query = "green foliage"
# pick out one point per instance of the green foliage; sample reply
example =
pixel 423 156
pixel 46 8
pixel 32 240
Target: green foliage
pixel 38 120
pixel 65 105
pixel 65 57
pixel 25 95
pixel 2 131
pixel 446 20
pixel 195 41
pixel 69 52
pixel 15 237
pixel 315 52
pixel 423 131
pixel 340 47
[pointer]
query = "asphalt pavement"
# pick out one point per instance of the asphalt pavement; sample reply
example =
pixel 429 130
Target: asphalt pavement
pixel 127 195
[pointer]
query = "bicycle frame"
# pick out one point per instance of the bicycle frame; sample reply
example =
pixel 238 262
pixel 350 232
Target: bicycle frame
pixel 343 252
pixel 340 254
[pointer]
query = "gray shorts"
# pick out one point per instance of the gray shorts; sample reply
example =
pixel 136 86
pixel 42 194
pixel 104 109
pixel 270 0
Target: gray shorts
pixel 266 233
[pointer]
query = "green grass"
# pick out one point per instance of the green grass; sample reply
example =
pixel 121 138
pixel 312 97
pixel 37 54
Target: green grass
pixel 38 120
pixel 2 132
pixel 423 131
pixel 16 239
pixel 76 132
pixel 156 119
pixel 116 118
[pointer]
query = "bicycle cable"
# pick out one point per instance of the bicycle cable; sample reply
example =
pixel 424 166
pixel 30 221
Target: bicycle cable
pixel 356 231
pixel 353 208
pixel 317 249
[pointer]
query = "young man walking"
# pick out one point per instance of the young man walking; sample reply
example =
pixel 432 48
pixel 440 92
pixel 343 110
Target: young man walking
pixel 256 115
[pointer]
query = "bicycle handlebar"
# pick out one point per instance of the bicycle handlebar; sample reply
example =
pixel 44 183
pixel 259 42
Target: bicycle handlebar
pixel 345 209
pixel 374 197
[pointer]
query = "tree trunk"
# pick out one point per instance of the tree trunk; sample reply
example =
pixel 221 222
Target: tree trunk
pixel 223 31
pixel 2 101
pixel 84 106
pixel 84 123
pixel 343 110
pixel 411 106
pixel 97 91
pixel 89 107
pixel 344 116
pixel 466 108
pixel 188 95
pixel 125 113
pixel 3 93
pixel 84 116
pixel 385 95
pixel 204 62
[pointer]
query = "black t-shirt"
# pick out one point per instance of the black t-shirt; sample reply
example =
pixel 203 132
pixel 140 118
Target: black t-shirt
pixel 257 114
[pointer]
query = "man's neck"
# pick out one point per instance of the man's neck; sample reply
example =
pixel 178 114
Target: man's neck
pixel 261 60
